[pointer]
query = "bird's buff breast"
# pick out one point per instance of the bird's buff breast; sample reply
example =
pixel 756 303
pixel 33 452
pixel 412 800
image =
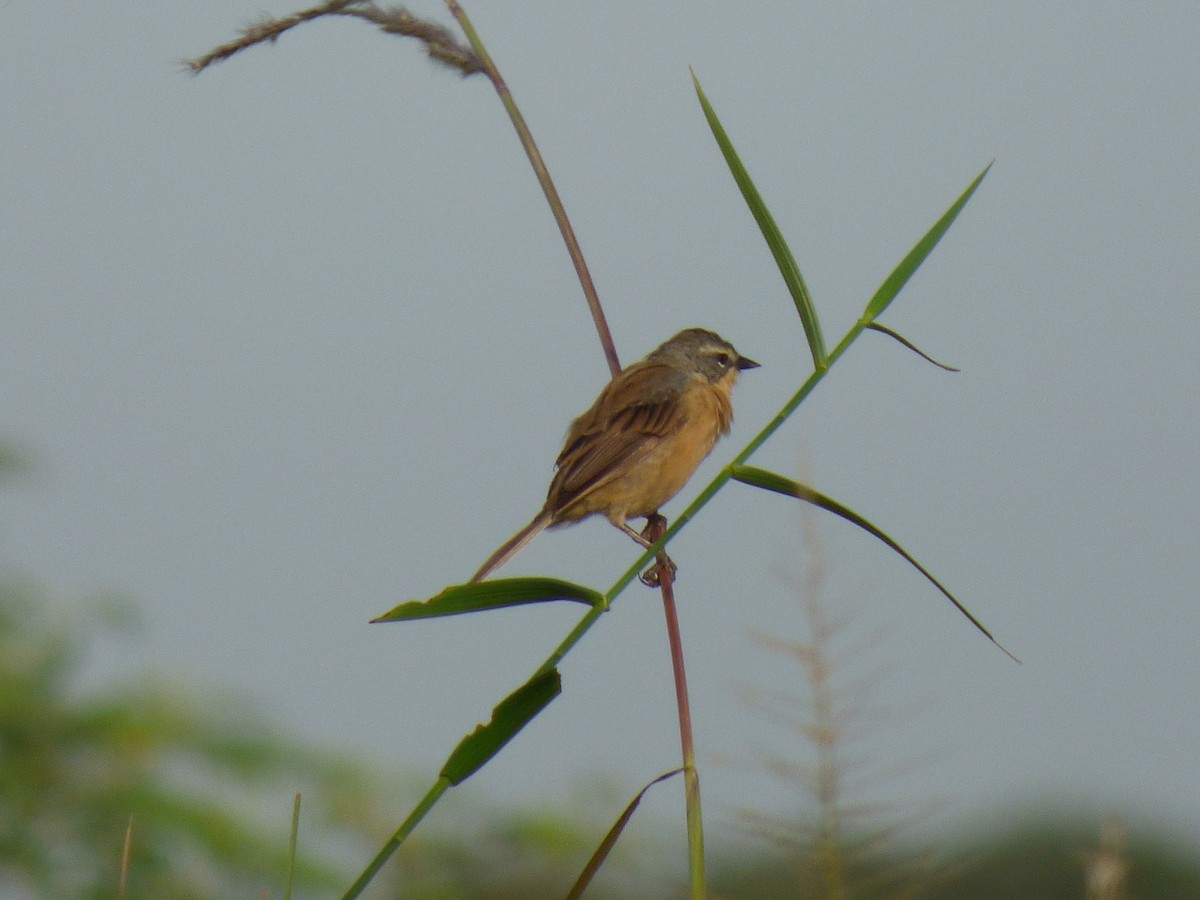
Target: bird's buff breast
pixel 672 460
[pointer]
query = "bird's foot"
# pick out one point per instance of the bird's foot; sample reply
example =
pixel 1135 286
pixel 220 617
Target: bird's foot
pixel 652 577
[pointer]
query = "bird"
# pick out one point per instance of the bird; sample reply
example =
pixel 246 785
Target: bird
pixel 641 440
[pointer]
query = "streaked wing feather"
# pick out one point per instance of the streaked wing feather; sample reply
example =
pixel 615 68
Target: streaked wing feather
pixel 595 456
pixel 622 423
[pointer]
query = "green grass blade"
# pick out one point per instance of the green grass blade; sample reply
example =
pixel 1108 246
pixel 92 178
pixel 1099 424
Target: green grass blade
pixel 900 275
pixel 770 481
pixel 126 853
pixel 511 714
pixel 905 342
pixel 766 223
pixel 610 839
pixel 496 594
pixel 291 866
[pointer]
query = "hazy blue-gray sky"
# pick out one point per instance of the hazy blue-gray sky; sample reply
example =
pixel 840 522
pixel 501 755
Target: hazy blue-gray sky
pixel 296 340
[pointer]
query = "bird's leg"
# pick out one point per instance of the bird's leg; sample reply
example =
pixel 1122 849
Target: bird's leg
pixel 624 526
pixel 656 525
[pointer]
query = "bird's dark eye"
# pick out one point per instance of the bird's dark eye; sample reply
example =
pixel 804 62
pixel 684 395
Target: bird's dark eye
pixel 723 360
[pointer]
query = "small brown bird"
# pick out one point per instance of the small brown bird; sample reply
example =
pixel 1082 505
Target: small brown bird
pixel 642 439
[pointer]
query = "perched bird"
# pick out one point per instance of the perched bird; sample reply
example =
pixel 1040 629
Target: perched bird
pixel 642 439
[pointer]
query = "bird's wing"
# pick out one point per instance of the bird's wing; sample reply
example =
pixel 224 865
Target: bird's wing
pixel 638 407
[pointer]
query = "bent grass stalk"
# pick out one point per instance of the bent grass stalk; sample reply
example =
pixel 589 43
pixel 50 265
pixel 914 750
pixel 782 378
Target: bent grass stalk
pixel 543 176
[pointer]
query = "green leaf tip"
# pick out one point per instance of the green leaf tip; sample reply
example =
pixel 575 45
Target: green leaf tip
pixel 511 714
pixel 770 232
pixel 904 271
pixel 496 594
pixel 771 481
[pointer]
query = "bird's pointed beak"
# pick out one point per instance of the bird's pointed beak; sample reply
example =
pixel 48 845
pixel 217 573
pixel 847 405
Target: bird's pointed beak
pixel 745 362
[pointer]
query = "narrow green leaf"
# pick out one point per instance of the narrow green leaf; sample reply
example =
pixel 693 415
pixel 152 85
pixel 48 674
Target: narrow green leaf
pixel 772 482
pixel 495 594
pixel 291 865
pixel 896 336
pixel 610 839
pixel 127 849
pixel 900 275
pixel 511 714
pixel 766 223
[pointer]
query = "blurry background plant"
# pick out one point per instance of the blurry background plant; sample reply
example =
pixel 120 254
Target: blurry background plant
pixel 206 782
pixel 841 839
pixel 847 836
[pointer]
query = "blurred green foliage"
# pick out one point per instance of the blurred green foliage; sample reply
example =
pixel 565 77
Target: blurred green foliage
pixel 207 785
pixel 1047 857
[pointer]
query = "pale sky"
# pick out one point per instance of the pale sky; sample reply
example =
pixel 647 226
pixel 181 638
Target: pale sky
pixel 296 340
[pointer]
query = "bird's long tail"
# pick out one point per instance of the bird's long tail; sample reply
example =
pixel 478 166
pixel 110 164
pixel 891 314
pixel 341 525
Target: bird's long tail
pixel 513 546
